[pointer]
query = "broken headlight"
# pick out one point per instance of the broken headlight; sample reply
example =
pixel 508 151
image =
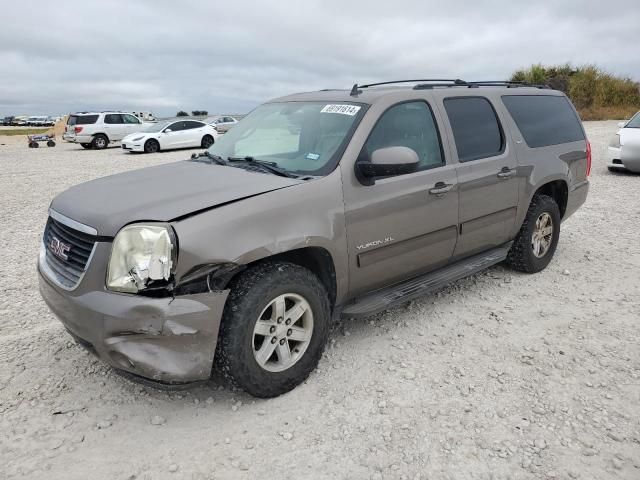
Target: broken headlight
pixel 142 256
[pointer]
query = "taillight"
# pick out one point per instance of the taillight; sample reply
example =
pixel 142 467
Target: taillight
pixel 77 129
pixel 588 158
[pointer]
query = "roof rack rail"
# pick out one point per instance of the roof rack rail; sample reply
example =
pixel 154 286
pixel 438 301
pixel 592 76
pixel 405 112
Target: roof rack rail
pixel 447 82
pixel 506 83
pixel 355 90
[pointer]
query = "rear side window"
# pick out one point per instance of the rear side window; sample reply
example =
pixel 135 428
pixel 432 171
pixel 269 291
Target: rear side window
pixel 544 119
pixel 191 124
pixel 82 119
pixel 411 125
pixel 475 126
pixel 112 118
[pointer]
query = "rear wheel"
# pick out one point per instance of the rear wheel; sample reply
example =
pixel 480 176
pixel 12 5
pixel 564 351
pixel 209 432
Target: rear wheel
pixel 51 143
pixel 151 146
pixel 274 328
pixel 33 145
pixel 207 141
pixel 100 142
pixel 533 248
pixel 86 145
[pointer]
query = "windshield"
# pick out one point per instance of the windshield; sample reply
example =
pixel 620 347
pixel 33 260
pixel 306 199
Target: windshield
pixel 157 127
pixel 634 122
pixel 301 137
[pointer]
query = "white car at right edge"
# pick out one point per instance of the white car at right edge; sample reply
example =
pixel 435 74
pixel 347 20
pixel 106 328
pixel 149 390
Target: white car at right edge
pixel 171 134
pixel 624 150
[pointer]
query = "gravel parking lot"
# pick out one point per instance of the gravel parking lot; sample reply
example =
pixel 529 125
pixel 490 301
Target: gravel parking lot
pixel 501 375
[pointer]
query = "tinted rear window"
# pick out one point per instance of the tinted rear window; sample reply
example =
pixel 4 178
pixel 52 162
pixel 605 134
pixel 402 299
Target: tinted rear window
pixel 544 119
pixel 82 119
pixel 475 126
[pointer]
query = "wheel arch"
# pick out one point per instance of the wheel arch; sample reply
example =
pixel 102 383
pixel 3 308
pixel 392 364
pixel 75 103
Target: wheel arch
pixel 316 259
pixel 557 189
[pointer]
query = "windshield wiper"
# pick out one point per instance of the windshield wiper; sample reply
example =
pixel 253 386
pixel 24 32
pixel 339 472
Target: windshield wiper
pixel 268 166
pixel 212 157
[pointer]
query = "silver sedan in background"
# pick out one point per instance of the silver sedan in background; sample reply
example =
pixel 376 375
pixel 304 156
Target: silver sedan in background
pixel 222 123
pixel 624 150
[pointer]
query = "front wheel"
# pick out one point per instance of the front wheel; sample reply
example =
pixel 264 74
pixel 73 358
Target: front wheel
pixel 537 240
pixel 151 146
pixel 274 328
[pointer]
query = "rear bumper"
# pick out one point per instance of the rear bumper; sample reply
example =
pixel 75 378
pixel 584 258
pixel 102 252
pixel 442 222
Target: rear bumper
pixel 79 138
pixel 577 196
pixel 169 340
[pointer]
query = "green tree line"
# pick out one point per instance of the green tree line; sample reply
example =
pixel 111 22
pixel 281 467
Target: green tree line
pixel 597 94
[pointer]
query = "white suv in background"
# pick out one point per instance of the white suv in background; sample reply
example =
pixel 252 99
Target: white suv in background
pixel 98 130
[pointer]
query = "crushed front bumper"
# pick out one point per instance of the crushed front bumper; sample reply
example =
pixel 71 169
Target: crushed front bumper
pixel 169 340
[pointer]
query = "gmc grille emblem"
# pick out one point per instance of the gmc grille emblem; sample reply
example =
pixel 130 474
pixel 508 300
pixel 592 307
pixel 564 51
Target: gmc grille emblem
pixel 59 248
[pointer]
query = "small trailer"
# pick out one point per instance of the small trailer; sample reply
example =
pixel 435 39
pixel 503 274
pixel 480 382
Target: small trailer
pixel 34 140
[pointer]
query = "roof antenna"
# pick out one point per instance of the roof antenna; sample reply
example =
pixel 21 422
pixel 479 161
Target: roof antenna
pixel 354 90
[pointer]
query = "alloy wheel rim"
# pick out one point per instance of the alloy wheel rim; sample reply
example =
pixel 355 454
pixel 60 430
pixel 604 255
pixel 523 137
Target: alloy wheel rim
pixel 542 235
pixel 282 332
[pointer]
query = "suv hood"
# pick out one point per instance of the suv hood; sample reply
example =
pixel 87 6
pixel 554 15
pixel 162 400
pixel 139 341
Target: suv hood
pixel 162 193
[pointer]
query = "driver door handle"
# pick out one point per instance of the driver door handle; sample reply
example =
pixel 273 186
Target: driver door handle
pixel 506 172
pixel 440 188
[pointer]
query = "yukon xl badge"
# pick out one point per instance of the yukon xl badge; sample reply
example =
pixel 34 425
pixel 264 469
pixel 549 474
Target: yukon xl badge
pixel 59 248
pixel 374 243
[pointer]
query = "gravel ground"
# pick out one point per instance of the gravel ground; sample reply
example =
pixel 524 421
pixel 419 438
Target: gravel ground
pixel 501 375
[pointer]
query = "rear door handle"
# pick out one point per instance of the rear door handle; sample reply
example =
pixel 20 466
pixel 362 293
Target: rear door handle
pixel 506 172
pixel 440 188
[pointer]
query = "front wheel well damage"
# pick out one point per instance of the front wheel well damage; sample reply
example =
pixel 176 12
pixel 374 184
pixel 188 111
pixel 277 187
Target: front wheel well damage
pixel 218 276
pixel 557 190
pixel 316 259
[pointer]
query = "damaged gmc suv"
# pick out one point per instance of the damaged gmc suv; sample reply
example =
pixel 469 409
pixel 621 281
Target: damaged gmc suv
pixel 315 205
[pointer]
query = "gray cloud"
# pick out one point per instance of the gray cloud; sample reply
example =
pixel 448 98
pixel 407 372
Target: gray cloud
pixel 228 57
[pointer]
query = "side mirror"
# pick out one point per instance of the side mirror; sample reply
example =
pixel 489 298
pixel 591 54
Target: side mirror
pixel 622 124
pixel 388 162
pixel 167 130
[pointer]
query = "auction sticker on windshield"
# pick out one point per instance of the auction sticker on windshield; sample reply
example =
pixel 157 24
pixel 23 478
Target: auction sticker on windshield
pixel 350 110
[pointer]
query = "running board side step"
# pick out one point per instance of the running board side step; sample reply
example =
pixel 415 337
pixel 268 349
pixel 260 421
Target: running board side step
pixel 407 290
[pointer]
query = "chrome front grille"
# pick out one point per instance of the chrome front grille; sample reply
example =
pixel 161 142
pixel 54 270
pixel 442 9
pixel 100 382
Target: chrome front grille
pixel 67 250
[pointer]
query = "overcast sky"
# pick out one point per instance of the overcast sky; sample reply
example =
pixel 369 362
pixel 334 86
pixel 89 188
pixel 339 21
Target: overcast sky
pixel 229 56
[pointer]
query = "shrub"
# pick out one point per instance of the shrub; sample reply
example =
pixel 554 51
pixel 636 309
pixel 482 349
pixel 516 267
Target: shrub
pixel 598 95
pixel 182 113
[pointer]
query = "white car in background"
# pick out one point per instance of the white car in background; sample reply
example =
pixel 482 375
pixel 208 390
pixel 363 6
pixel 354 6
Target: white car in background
pixel 99 129
pixel 624 150
pixel 171 134
pixel 222 123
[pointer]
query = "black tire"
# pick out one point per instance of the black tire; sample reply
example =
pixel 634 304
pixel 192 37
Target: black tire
pixel 207 141
pixel 100 142
pixel 51 143
pixel 521 256
pixel 33 145
pixel 151 146
pixel 251 292
pixel 88 146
